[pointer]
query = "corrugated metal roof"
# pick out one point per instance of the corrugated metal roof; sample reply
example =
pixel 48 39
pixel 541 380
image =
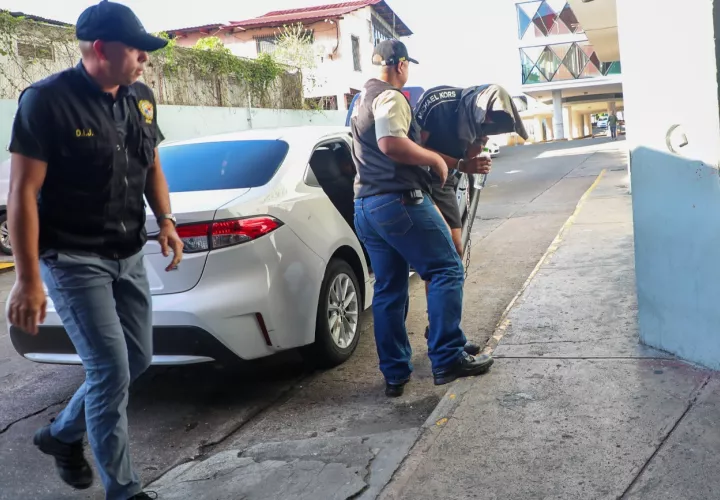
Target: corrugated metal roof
pixel 38 19
pixel 318 13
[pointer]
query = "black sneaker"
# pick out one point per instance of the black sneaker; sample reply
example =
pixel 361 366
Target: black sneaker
pixel 70 460
pixel 467 366
pixel 470 348
pixel 145 495
pixel 394 390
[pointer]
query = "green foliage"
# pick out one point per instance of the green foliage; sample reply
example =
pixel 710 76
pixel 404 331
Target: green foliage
pixel 210 58
pixel 8 28
pixel 44 47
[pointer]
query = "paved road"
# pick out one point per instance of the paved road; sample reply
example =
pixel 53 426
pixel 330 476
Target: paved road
pixel 180 414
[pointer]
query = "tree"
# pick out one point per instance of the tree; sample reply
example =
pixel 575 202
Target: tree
pixel 295 47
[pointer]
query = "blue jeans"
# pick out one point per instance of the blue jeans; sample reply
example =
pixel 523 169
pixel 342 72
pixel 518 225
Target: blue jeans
pixel 105 307
pixel 396 236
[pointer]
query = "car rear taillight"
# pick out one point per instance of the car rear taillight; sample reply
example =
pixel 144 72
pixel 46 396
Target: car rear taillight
pixel 224 233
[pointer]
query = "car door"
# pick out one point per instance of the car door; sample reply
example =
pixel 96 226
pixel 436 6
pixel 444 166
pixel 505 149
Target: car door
pixel 318 223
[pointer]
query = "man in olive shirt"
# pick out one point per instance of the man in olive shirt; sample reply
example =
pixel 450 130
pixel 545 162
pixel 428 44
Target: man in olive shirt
pixel 399 226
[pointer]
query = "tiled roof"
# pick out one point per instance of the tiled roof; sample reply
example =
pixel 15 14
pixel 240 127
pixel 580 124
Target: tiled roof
pixel 313 14
pixel 192 29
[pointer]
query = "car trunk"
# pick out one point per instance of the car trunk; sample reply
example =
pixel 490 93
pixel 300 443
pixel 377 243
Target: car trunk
pixel 188 207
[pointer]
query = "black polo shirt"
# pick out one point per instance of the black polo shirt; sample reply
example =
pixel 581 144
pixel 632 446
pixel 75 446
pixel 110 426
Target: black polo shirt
pixel 98 148
pixel 437 113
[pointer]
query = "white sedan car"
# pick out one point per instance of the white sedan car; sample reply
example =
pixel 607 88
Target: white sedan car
pixel 271 260
pixel 270 264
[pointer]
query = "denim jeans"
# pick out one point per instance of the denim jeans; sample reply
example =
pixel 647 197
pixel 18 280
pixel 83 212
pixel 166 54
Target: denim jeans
pixel 396 236
pixel 105 307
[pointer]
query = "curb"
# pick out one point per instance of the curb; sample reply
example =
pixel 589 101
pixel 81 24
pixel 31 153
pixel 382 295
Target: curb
pixel 7 268
pixel 435 423
pixel 503 323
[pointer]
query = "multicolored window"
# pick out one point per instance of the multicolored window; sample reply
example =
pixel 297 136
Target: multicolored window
pixel 551 62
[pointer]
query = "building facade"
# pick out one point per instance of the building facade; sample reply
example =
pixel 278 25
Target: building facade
pixel 343 37
pixel 561 69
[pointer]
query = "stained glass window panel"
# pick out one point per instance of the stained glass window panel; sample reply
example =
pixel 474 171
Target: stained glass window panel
pixel 530 8
pixel 614 69
pixel 527 65
pixel 548 63
pixel 575 60
pixel 534 53
pixel 547 17
pixel 561 49
pixel 590 71
pixel 535 76
pixel 570 19
pixel 559 28
pixel 540 25
pixel 563 74
pixel 523 22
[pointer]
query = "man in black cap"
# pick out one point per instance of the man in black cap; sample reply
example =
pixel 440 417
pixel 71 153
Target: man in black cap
pixel 399 226
pixel 84 153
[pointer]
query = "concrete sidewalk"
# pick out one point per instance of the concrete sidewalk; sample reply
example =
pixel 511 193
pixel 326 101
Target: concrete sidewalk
pixel 574 408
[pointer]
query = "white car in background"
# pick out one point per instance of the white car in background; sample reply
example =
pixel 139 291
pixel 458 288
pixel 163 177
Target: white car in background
pixel 271 259
pixel 270 264
pixel 493 148
pixel 5 246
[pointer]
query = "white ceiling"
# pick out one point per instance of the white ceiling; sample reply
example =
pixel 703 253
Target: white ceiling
pixel 599 20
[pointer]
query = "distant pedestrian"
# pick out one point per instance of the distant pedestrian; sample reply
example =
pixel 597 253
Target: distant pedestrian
pixel 399 226
pixel 612 124
pixel 84 155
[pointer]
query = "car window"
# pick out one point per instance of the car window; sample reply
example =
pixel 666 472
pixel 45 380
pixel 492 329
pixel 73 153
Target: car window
pixel 209 166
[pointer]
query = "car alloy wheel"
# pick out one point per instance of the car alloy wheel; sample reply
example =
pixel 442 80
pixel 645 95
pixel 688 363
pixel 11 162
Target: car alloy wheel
pixel 5 245
pixel 342 311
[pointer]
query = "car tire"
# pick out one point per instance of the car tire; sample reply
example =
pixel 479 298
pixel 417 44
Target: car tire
pixel 332 347
pixel 5 246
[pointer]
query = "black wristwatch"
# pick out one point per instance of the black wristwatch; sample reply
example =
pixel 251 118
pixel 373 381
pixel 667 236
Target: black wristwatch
pixel 169 217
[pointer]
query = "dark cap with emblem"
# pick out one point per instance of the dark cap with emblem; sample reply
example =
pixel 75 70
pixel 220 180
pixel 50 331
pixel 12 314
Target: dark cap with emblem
pixel 114 22
pixel 391 53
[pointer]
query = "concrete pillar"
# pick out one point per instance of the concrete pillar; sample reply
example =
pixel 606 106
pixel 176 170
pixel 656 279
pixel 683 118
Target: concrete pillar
pixel 558 122
pixel 576 129
pixel 588 125
pixel 568 123
pixel 549 129
pixel 538 130
pixel 612 108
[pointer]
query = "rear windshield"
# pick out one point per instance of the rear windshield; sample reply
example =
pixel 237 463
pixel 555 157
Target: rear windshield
pixel 209 166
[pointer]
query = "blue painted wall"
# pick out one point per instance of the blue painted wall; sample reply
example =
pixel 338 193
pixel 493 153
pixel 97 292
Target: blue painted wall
pixel 676 210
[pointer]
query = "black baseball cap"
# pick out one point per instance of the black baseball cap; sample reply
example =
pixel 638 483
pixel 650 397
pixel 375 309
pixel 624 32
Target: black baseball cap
pixel 391 53
pixel 114 22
